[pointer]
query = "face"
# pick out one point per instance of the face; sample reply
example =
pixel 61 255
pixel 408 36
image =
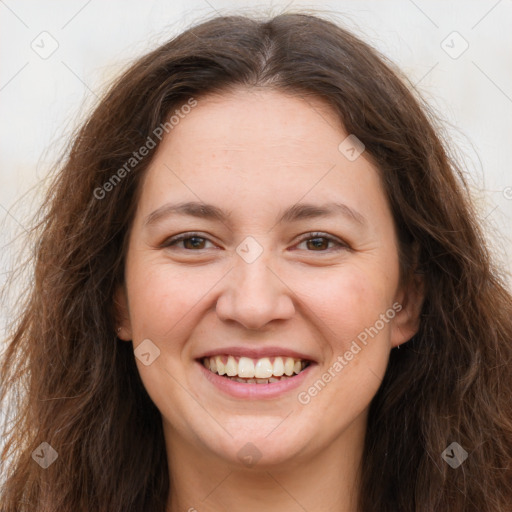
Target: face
pixel 263 279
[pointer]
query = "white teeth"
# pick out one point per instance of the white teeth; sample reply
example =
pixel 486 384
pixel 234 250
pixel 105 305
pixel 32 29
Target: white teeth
pixel 258 381
pixel 220 365
pixel 246 368
pixel 278 368
pixel 231 367
pixel 261 371
pixel 288 366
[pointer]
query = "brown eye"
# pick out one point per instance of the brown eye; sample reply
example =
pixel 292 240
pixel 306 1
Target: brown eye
pixel 191 241
pixel 318 242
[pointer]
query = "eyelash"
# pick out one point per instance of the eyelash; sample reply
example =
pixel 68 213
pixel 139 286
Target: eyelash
pixel 309 236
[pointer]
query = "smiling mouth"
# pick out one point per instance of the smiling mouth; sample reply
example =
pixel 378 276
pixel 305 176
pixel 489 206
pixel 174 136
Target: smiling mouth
pixel 246 370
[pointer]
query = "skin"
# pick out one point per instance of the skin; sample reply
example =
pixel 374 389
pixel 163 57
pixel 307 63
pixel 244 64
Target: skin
pixel 254 153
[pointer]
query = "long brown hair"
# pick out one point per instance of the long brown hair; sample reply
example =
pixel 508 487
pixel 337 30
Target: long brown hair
pixel 77 385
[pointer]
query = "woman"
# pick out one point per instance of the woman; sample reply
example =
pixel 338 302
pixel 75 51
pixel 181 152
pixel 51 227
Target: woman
pixel 260 285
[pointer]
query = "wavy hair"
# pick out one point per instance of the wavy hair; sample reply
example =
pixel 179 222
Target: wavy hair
pixel 77 387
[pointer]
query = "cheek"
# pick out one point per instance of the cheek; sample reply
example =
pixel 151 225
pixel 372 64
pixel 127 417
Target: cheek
pixel 161 296
pixel 346 301
pixel 350 310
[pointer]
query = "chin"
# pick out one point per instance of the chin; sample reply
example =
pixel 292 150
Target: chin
pixel 261 446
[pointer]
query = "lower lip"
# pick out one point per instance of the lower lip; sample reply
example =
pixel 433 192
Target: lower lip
pixel 255 391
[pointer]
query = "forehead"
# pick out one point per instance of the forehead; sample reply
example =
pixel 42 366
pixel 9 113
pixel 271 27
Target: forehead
pixel 255 149
pixel 255 119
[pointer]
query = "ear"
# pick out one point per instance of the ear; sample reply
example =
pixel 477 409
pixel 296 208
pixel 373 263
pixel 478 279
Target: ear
pixel 407 321
pixel 123 325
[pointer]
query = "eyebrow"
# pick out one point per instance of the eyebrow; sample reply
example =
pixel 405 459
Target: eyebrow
pixel 295 213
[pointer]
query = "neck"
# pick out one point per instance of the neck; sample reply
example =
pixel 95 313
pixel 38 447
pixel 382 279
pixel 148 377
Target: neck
pixel 325 481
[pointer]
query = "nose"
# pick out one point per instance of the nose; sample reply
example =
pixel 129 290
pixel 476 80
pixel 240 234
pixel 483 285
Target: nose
pixel 254 295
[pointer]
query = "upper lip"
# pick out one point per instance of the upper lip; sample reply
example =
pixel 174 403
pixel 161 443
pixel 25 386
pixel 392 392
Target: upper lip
pixel 257 353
